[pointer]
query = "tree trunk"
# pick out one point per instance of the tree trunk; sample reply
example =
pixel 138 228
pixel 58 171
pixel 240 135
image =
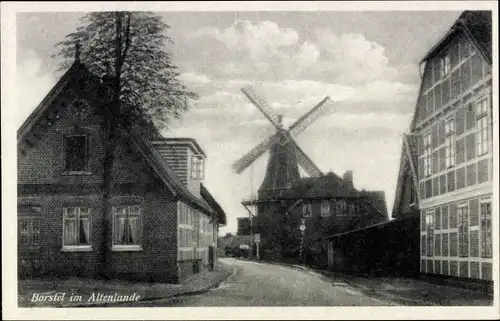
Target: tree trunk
pixel 112 120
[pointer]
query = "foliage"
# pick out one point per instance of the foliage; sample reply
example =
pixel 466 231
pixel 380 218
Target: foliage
pixel 131 46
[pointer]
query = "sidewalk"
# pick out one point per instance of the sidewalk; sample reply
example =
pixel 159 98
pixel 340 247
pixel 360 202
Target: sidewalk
pixel 92 291
pixel 406 291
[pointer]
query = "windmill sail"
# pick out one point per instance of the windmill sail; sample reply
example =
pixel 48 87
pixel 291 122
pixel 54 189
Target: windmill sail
pixel 305 162
pixel 251 156
pixel 260 103
pixel 306 120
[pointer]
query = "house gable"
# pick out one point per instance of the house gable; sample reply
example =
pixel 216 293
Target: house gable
pixel 71 108
pixel 451 69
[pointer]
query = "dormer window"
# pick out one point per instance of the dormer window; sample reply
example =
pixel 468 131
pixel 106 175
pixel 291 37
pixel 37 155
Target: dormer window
pixel 197 167
pixel 445 65
pixel 75 153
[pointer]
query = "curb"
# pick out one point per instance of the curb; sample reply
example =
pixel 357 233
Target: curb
pixel 157 298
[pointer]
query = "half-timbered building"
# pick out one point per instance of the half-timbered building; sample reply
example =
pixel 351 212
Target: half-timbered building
pixel 446 175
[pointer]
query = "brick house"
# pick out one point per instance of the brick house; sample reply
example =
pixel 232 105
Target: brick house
pixel 445 176
pixel 162 222
pixel 328 205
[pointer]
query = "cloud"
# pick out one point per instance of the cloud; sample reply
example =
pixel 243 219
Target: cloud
pixel 258 40
pixel 263 50
pixel 33 83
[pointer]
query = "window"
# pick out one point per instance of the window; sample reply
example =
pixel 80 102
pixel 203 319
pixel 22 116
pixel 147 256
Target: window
pixel 186 233
pixel 29 232
pixel 466 50
pixel 325 208
pixel 445 65
pixel 482 124
pixel 307 210
pixel 127 228
pixel 75 153
pixel 449 130
pixel 427 155
pixel 486 237
pixel 463 230
pixel 76 227
pixel 197 168
pixel 429 223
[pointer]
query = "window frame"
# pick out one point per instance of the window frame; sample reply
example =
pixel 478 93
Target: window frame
pixel 186 232
pixel 450 142
pixel 129 246
pixel 76 247
pixel 445 65
pixel 325 211
pixel 482 133
pixel 463 230
pixel 306 212
pixel 29 229
pixel 65 153
pixel 197 167
pixel 430 218
pixel 485 219
pixel 427 154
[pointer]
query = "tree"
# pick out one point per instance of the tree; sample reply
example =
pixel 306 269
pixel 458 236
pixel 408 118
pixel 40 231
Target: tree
pixel 128 48
pixel 131 46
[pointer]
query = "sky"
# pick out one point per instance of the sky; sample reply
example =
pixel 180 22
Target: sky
pixel 367 62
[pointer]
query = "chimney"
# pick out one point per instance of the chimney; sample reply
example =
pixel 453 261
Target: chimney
pixel 348 178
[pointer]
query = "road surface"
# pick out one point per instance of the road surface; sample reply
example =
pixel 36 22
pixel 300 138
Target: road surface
pixel 258 284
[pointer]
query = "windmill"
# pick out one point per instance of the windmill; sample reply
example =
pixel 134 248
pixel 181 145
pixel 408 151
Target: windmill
pixel 282 169
pixel 285 154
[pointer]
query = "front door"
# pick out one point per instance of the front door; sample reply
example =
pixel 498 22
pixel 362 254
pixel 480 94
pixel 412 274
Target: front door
pixel 29 240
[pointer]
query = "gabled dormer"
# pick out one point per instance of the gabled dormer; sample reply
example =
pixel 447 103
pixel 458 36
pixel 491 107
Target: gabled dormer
pixel 187 160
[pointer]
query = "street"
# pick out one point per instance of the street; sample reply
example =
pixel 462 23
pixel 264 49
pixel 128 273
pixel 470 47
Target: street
pixel 259 284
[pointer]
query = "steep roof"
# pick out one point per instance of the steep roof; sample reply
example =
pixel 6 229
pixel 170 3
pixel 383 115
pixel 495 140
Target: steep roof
pixel 408 154
pixel 477 26
pixel 77 68
pixel 331 186
pixel 150 153
pixel 221 215
pixel 377 200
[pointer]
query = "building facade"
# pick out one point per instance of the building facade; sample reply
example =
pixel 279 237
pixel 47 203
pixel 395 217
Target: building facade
pixel 325 206
pixel 152 217
pixel 452 164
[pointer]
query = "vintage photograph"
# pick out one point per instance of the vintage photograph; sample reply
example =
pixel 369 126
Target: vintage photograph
pixel 255 158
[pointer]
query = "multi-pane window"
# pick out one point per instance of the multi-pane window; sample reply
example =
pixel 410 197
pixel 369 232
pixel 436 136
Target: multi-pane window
pixel 427 155
pixel 76 226
pixel 197 167
pixel 75 153
pixel 482 124
pixel 340 207
pixel 449 130
pixel 307 210
pixel 445 65
pixel 127 227
pixel 486 237
pixel 325 208
pixel 429 225
pixel 185 224
pixel 463 230
pixel 29 232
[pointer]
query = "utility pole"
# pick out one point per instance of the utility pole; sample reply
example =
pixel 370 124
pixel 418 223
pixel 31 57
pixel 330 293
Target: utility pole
pixel 302 230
